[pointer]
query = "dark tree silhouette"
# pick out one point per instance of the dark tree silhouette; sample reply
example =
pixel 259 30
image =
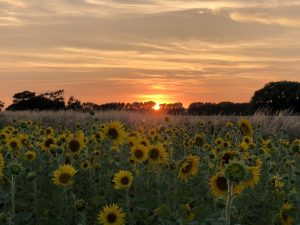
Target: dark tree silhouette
pixel 1 105
pixel 224 108
pixel 73 104
pixel 276 96
pixel 27 100
pixel 23 96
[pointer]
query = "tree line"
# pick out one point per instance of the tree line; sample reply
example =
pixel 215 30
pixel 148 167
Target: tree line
pixel 273 97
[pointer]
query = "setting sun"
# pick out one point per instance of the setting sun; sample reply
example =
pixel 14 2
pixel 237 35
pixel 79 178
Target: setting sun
pixel 156 107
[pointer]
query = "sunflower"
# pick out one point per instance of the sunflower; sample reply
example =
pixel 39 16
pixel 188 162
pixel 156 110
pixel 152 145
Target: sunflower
pixel 188 167
pixel 219 187
pixel 63 175
pixel 253 177
pixel 112 215
pixel 144 141
pixel 115 132
pixel 158 154
pixel 276 183
pixel 13 144
pixel 219 141
pixel 198 139
pixel 75 144
pixel 246 127
pixel 24 139
pixel 122 179
pixel 227 156
pixel 30 155
pixel 49 131
pixel 85 165
pixel 139 153
pixel 285 211
pixel 47 143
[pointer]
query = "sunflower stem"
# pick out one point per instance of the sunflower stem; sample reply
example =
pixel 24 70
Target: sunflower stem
pixel 12 191
pixel 229 202
pixel 128 205
pixel 35 201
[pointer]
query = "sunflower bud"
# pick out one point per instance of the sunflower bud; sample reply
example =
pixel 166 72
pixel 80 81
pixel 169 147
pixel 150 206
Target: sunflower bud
pixel 80 205
pixel 236 171
pixel 31 175
pixel 15 168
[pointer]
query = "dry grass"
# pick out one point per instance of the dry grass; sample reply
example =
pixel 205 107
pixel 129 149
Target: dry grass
pixel 69 119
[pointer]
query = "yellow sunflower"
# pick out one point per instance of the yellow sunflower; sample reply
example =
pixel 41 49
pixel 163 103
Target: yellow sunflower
pixel 30 155
pixel 199 139
pixel 122 179
pixel 228 155
pixel 112 215
pixel 115 132
pixel 188 167
pixel 139 153
pixel 276 183
pixel 254 177
pixel 49 131
pixel 219 187
pixel 86 165
pixel 63 175
pixel 158 154
pixel 47 143
pixel 246 127
pixel 75 144
pixel 219 141
pixel 286 209
pixel 13 144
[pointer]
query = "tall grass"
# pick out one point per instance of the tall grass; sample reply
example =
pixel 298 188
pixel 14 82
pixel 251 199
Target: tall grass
pixel 269 123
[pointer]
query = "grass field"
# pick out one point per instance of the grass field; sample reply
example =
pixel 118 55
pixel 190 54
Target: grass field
pixel 143 169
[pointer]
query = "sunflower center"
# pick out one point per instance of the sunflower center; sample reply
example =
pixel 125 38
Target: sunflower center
pixel 199 141
pixel 138 153
pixel 49 142
pixel 113 133
pixel 74 145
pixel 64 178
pixel 48 131
pixel 111 218
pixel 187 168
pixel 226 157
pixel 143 143
pixel 284 216
pixel 154 153
pixel 29 156
pixel 125 180
pixel 13 144
pixel 222 183
pixel 97 136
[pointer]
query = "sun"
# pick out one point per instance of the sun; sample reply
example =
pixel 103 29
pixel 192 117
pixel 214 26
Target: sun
pixel 157 106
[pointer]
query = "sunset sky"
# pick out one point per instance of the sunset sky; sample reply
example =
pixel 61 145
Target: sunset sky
pixel 141 50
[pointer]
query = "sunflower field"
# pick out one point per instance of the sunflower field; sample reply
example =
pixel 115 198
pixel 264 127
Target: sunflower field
pixel 115 173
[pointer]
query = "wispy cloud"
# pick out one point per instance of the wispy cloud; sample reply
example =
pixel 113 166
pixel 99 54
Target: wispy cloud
pixel 167 50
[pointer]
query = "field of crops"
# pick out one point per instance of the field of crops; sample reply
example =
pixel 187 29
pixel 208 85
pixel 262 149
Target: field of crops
pixel 146 170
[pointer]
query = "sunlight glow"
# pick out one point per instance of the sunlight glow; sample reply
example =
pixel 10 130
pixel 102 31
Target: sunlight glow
pixel 157 106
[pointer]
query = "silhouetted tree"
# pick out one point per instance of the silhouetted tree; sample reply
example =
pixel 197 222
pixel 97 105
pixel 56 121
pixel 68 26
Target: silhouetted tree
pixel 27 100
pixel 23 96
pixel 73 104
pixel 275 96
pixel 89 106
pixel 1 105
pixel 224 108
